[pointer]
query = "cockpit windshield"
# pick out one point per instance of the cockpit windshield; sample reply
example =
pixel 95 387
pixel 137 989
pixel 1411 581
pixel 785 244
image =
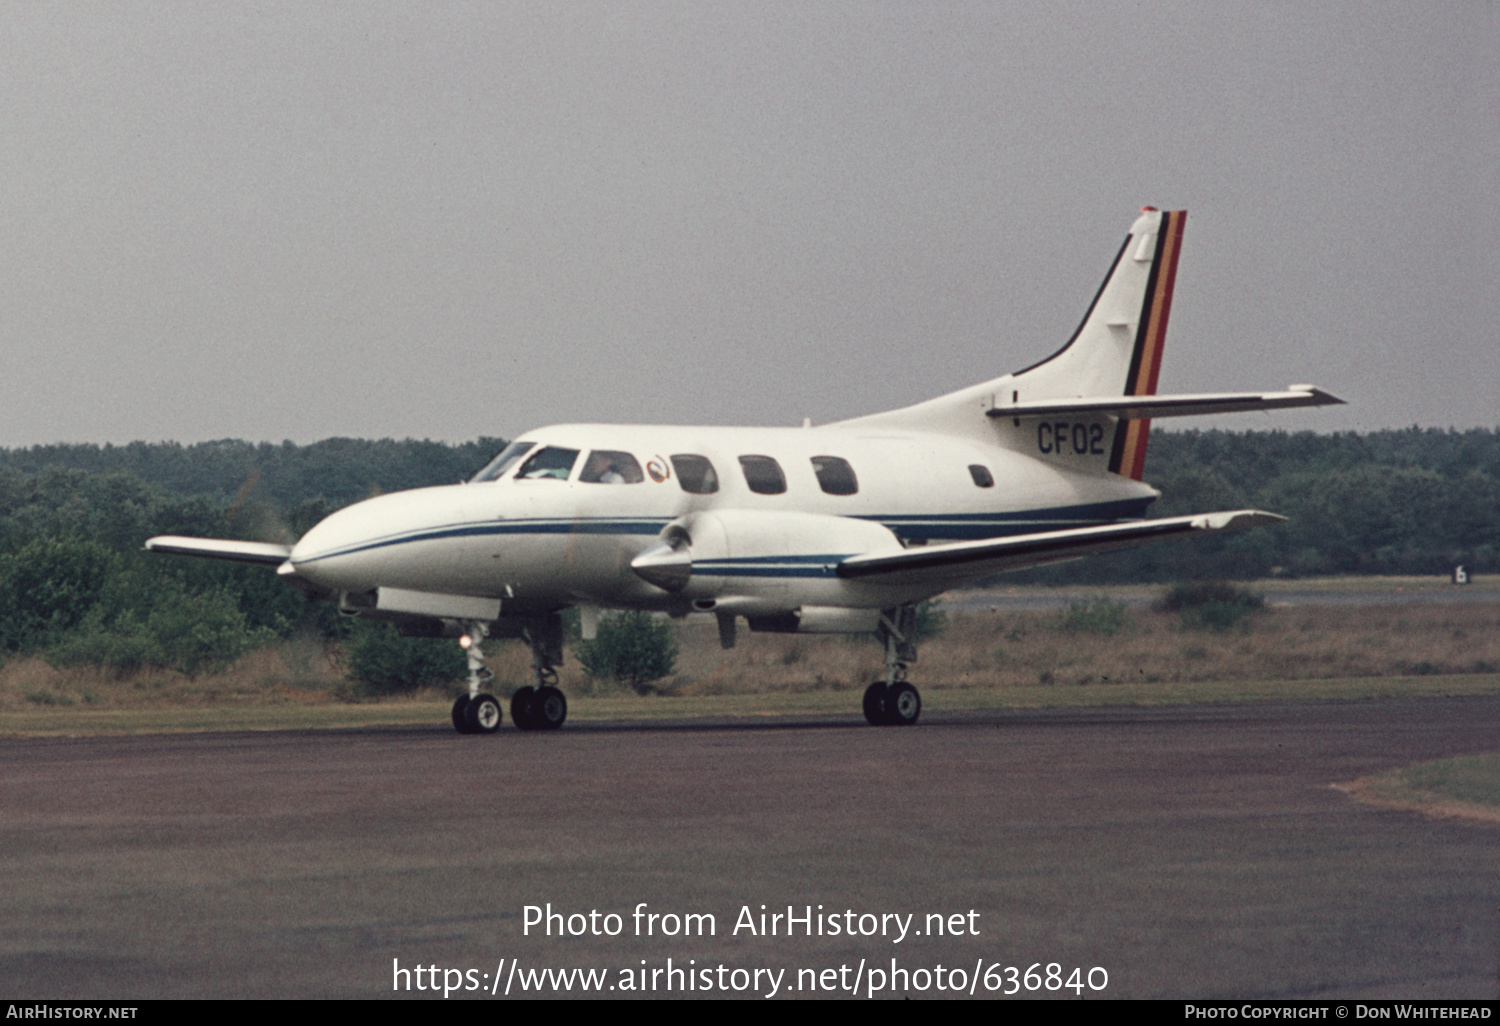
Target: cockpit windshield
pixel 507 459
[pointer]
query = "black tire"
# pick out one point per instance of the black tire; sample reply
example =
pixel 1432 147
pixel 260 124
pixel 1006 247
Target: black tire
pixel 875 704
pixel 549 709
pixel 521 704
pixel 903 704
pixel 460 709
pixel 483 714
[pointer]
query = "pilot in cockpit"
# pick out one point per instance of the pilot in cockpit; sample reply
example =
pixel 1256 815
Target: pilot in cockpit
pixel 606 467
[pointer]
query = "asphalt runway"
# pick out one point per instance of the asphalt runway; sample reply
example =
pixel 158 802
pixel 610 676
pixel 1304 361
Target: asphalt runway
pixel 1188 852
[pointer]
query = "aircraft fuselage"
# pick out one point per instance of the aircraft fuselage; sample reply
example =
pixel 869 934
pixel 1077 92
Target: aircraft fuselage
pixel 537 539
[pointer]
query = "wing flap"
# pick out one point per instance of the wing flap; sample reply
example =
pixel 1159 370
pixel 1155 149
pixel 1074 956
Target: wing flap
pixel 961 561
pixel 266 553
pixel 1140 407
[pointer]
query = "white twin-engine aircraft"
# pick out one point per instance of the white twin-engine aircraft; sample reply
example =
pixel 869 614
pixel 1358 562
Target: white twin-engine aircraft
pixel 840 528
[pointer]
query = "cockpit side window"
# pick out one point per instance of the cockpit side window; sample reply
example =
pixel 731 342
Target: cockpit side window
pixel 981 475
pixel 763 475
pixel 607 467
pixel 507 459
pixel 695 473
pixel 835 476
pixel 551 464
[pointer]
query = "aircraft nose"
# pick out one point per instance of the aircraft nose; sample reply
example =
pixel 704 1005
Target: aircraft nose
pixel 344 551
pixel 334 535
pixel 367 544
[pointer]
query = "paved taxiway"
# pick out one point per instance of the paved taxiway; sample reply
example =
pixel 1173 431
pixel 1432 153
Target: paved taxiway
pixel 1190 851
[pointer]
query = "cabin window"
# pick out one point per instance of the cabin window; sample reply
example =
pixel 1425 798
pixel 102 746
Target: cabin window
pixel 835 476
pixel 981 475
pixel 607 467
pixel 507 459
pixel 695 474
pixel 551 464
pixel 763 475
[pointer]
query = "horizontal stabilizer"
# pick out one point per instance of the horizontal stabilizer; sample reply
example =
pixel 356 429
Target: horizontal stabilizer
pixel 1140 407
pixel 214 548
pixel 952 563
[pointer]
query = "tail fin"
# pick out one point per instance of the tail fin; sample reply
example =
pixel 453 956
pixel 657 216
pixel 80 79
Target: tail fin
pixel 1117 349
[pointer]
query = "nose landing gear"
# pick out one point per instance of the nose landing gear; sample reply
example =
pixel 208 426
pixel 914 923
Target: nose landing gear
pixel 476 712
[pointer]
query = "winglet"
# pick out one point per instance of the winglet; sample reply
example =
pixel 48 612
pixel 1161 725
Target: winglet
pixel 1238 520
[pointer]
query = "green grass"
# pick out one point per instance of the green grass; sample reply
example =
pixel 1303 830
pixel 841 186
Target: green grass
pixel 1467 785
pixel 1474 778
pixel 44 721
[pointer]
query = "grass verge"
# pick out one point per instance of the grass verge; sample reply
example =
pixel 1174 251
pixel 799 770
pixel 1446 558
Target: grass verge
pixel 1098 652
pixel 432 708
pixel 1467 787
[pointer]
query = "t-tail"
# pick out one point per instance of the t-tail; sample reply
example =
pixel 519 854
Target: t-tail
pixel 1117 349
pixel 1089 405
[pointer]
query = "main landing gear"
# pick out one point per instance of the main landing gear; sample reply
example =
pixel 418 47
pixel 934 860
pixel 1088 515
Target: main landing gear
pixel 543 706
pixel 894 702
pixel 535 707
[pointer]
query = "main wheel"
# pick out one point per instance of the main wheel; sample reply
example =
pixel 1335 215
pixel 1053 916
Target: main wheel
pixel 521 704
pixel 902 705
pixel 460 708
pixel 549 709
pixel 875 704
pixel 483 714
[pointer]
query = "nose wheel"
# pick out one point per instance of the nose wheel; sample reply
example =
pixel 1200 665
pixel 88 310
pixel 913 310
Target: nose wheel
pixel 539 707
pixel 460 710
pixel 477 715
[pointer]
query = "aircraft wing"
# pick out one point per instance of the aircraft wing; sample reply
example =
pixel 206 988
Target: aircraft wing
pixel 961 561
pixel 214 548
pixel 1141 407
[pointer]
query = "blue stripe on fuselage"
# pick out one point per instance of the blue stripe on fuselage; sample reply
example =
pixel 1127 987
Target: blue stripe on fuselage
pixel 907 527
pixel 646 526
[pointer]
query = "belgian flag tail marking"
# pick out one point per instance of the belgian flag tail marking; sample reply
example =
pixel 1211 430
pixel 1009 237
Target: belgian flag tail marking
pixel 1129 455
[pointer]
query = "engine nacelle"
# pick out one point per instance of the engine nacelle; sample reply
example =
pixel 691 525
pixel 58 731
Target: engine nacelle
pixel 744 561
pixel 818 620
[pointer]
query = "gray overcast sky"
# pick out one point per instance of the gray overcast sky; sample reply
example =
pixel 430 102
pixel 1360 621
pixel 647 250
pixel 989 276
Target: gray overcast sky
pixel 274 221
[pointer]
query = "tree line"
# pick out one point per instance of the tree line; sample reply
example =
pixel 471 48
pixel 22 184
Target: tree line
pixel 1413 501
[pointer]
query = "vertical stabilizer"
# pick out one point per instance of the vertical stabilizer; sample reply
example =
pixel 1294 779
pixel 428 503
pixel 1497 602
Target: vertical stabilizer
pixel 1117 349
